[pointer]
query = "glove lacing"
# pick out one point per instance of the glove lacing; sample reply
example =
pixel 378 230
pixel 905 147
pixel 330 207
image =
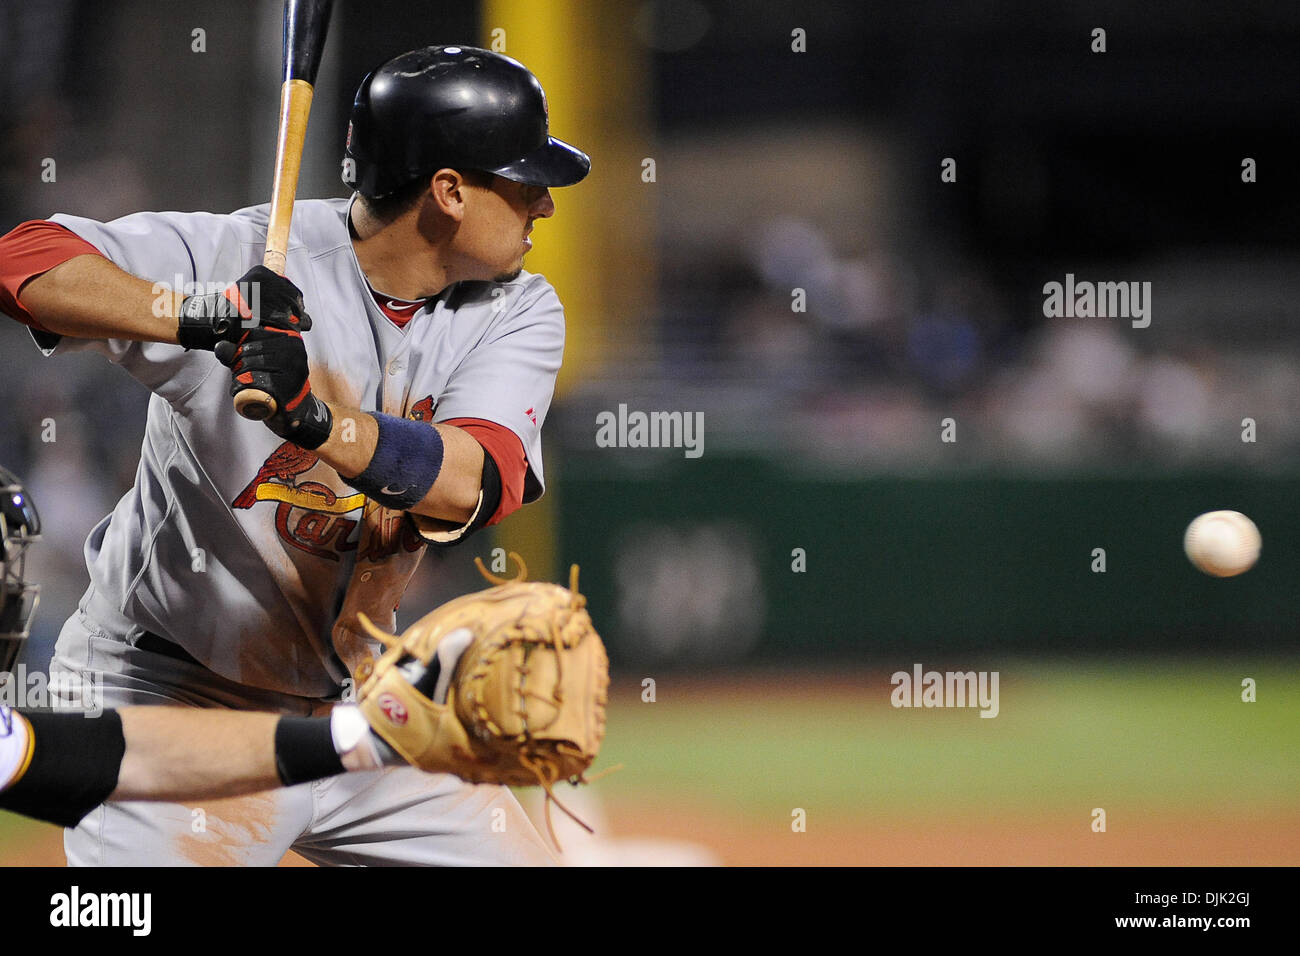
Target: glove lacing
pixel 541 767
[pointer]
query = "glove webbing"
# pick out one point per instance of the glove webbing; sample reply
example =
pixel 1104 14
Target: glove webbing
pixel 557 698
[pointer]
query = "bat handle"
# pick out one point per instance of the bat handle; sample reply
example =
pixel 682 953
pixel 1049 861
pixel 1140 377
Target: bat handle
pixel 255 404
pixel 295 106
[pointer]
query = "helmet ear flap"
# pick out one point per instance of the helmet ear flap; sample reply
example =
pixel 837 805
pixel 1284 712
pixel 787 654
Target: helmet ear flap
pixel 361 168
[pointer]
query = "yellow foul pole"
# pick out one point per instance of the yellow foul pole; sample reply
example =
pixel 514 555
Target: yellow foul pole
pixel 597 250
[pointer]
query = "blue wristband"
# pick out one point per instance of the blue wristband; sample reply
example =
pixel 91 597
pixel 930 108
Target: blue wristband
pixel 406 462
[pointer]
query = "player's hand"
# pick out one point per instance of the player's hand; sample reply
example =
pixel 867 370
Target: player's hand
pixel 259 299
pixel 275 361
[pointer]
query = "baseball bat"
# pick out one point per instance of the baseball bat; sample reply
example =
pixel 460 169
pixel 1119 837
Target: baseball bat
pixel 305 25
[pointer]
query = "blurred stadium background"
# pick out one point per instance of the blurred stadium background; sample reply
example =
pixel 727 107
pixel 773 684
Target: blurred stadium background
pixel 777 170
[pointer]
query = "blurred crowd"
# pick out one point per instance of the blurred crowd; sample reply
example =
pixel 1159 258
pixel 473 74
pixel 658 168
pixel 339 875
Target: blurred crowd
pixel 884 347
pixel 854 349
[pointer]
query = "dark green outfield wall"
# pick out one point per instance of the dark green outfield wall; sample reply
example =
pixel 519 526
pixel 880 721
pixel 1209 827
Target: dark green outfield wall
pixel 922 564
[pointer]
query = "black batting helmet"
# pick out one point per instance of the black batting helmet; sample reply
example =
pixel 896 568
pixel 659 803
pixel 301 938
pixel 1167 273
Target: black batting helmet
pixel 19 526
pixel 459 107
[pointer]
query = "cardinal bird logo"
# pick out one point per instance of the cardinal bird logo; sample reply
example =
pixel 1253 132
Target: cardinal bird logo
pixel 308 514
pixel 422 411
pixel 285 463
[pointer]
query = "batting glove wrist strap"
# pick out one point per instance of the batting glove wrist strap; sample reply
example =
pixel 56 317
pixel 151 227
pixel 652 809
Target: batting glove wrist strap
pixel 205 320
pixel 259 299
pixel 308 425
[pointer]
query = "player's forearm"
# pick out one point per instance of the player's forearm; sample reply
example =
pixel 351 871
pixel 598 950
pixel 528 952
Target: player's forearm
pixel 454 495
pixel 88 297
pixel 177 754
pixel 58 767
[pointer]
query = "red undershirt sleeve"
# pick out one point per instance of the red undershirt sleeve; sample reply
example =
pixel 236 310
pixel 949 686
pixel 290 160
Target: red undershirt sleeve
pixel 507 452
pixel 31 249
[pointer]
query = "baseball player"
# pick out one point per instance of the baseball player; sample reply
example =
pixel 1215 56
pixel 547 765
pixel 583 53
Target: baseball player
pixel 236 570
pixel 423 705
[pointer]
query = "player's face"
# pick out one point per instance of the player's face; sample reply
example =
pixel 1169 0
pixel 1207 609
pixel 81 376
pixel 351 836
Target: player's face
pixel 494 235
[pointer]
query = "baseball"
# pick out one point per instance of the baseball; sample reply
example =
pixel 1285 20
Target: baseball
pixel 1222 543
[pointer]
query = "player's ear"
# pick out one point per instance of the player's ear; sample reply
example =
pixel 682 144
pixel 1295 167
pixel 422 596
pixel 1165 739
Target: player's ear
pixel 448 192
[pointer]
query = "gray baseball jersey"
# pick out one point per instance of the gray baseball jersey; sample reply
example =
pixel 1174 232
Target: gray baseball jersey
pixel 239 546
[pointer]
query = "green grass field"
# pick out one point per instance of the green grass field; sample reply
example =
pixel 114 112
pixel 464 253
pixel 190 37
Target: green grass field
pixel 1142 733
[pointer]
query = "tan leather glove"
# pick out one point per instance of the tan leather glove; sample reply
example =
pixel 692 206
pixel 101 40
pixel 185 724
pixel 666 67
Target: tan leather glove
pixel 508 686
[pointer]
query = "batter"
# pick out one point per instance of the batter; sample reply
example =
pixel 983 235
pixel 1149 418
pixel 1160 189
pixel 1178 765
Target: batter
pixel 232 573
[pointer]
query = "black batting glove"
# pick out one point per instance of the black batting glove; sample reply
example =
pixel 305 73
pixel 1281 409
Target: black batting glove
pixel 259 299
pixel 275 361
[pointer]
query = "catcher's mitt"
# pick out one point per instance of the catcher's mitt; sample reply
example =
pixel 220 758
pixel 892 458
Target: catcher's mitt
pixel 507 685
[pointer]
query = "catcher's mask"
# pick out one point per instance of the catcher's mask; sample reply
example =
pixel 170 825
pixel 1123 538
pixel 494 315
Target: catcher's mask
pixel 20 525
